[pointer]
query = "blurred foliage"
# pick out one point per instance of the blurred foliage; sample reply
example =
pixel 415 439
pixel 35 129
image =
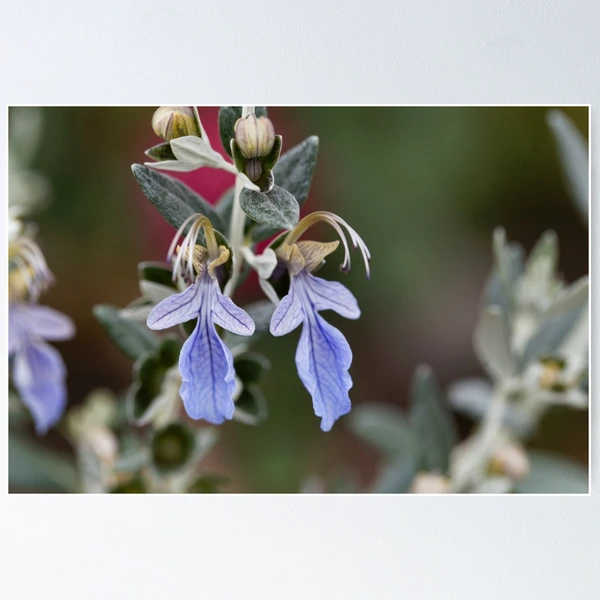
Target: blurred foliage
pixel 425 187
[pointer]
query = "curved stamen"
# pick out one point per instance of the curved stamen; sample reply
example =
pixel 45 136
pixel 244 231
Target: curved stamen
pixel 185 252
pixel 337 223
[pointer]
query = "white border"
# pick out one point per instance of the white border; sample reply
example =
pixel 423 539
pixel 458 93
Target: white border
pixel 305 546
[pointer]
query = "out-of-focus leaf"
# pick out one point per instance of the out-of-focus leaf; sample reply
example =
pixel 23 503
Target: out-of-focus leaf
pixel 172 447
pixel 276 208
pixel 134 339
pixel 228 115
pixel 431 422
pixel 574 158
pixel 553 474
pixel 471 396
pixel 545 250
pixel 173 199
pixel 251 367
pixel 33 467
pixel 491 343
pixel 395 477
pixel 384 427
pixel 209 483
pixel 251 407
pixel 556 328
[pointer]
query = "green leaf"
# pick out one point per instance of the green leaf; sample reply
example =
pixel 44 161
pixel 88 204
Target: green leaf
pixel 295 169
pixel 276 208
pixel 251 407
pixel 553 474
pixel 172 447
pixel 574 159
pixel 134 339
pixel 395 477
pixel 148 375
pixel 156 272
pixel 173 199
pixel 251 367
pixel 384 427
pixel 33 466
pixel 161 152
pixel 431 422
pixel 228 115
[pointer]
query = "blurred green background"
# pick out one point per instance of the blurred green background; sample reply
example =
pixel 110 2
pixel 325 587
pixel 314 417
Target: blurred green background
pixel 425 187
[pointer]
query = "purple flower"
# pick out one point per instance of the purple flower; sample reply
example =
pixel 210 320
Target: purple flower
pixel 38 370
pixel 205 362
pixel 323 356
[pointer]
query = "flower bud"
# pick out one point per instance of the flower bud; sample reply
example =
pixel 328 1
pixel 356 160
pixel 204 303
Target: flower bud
pixel 255 137
pixel 430 483
pixel 170 122
pixel 510 459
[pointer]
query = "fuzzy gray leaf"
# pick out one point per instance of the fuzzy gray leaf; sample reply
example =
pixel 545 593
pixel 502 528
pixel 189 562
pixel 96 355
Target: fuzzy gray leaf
pixel 276 208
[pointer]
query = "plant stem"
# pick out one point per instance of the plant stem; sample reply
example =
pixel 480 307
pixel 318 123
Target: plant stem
pixel 236 227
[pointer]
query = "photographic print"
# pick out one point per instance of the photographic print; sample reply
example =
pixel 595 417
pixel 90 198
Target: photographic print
pixel 298 299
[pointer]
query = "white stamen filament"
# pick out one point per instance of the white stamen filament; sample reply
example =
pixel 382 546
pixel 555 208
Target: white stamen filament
pixel 337 223
pixel 185 252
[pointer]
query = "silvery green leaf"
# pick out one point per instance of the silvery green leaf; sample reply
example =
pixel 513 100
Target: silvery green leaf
pixel 174 200
pixel 430 422
pixel 395 477
pixel 295 168
pixel 471 396
pixel 32 466
pixel 228 115
pixel 134 339
pixel 574 159
pixel 224 205
pixel 546 251
pixel 197 151
pixel 206 438
pixel 492 345
pixel 384 427
pixel 573 297
pixel 558 323
pixel 553 474
pixel 508 261
pixel 155 292
pixel 161 152
pixel 277 208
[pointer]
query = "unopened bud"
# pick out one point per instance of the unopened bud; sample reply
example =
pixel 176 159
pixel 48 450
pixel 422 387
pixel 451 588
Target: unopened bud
pixel 170 122
pixel 510 459
pixel 255 137
pixel 430 483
